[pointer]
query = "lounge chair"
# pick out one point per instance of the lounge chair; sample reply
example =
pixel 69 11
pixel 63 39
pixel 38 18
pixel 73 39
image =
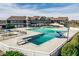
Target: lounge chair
pixel 23 41
pixel 20 43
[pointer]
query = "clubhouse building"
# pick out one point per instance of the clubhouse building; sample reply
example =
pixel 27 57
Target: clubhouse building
pixel 35 21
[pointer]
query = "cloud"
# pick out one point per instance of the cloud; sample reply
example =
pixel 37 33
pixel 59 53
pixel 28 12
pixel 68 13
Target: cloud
pixel 7 10
pixel 72 11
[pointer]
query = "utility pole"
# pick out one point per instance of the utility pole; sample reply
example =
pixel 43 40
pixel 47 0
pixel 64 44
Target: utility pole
pixel 27 22
pixel 68 30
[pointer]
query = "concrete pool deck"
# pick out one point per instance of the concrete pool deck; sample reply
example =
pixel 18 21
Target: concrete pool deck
pixel 47 47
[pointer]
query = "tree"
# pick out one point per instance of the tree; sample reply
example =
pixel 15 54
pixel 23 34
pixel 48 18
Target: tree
pixel 13 53
pixel 9 26
pixel 69 50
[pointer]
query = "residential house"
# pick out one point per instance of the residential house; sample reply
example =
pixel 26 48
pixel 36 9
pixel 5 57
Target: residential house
pixel 59 19
pixel 38 21
pixel 3 23
pixel 17 21
pixel 35 21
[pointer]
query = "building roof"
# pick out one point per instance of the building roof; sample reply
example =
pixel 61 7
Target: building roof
pixel 34 17
pixel 17 18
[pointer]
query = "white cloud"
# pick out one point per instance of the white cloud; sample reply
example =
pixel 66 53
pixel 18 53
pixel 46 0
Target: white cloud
pixel 7 10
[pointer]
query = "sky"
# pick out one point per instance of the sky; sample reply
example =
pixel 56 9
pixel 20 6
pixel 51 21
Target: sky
pixel 70 10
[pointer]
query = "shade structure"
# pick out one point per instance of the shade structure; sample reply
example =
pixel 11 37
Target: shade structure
pixel 56 24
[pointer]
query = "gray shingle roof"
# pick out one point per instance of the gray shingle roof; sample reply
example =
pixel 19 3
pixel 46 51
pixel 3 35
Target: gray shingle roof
pixel 17 18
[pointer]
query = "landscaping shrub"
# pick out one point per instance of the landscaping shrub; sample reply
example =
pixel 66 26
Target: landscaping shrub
pixel 13 53
pixel 69 50
pixel 9 26
pixel 75 41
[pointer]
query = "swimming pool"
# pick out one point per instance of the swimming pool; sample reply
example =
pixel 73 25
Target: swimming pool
pixel 48 35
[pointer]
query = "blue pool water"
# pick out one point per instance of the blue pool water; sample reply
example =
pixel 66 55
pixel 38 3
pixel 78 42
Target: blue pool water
pixel 48 35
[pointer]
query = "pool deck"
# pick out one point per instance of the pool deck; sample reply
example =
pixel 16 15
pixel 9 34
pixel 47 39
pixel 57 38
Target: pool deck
pixel 47 47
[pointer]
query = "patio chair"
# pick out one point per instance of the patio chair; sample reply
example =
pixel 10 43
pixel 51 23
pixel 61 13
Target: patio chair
pixel 22 42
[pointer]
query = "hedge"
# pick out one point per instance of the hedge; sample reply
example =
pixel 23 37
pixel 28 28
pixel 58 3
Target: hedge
pixel 9 26
pixel 71 48
pixel 13 53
